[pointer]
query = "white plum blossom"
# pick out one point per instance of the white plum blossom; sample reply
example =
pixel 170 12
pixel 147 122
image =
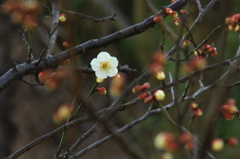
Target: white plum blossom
pixel 104 65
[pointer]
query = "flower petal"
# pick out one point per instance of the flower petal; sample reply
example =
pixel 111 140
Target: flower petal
pixel 102 74
pixel 112 72
pixel 95 64
pixel 114 62
pixel 103 56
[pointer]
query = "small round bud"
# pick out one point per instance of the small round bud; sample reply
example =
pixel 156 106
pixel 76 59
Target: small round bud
pixel 168 10
pixel 160 75
pixel 176 21
pixel 184 11
pixel 174 14
pixel 101 90
pixel 217 144
pixel 198 112
pixel 194 105
pixel 146 85
pixel 157 19
pixel 143 95
pixel 186 43
pixel 159 95
pixel 65 44
pixel 166 155
pixel 62 17
pixel 137 88
pixel 214 54
pixel 232 141
pixel 148 99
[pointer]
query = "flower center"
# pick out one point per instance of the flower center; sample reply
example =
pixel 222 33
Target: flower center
pixel 105 66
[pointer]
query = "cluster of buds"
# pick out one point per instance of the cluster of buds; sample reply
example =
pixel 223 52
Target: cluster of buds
pixel 198 62
pixel 117 85
pixel 233 22
pixel 147 96
pixel 52 78
pixel 62 114
pixel 218 143
pixel 174 14
pixel 168 142
pixel 196 110
pixel 23 12
pixel 207 49
pixel 158 64
pixel 229 109
pixel 101 90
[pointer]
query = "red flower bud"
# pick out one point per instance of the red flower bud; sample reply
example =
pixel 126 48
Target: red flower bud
pixel 101 90
pixel 168 10
pixel 157 19
pixel 232 141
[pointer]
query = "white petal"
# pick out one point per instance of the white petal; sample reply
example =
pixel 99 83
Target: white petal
pixel 103 56
pixel 114 62
pixel 95 64
pixel 112 72
pixel 101 74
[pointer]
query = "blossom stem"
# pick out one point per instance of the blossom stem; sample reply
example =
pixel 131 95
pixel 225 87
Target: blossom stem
pixel 80 106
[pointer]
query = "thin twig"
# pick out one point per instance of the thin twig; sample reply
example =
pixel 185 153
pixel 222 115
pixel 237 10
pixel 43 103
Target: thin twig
pixel 112 17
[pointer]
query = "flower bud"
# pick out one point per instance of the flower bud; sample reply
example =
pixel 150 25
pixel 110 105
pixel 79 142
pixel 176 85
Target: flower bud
pixel 159 95
pixel 232 141
pixel 137 88
pixel 217 144
pixel 160 75
pixel 168 10
pixel 174 14
pixel 143 95
pixel 166 155
pixel 186 43
pixel 194 105
pixel 146 85
pixel 62 17
pixel 157 19
pixel 198 112
pixel 176 21
pixel 101 90
pixel 148 99
pixel 65 44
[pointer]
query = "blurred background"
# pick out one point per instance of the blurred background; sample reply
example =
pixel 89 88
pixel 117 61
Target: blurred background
pixel 26 112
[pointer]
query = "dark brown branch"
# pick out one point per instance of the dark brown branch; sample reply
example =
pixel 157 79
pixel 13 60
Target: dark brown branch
pixel 53 61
